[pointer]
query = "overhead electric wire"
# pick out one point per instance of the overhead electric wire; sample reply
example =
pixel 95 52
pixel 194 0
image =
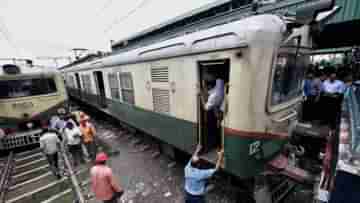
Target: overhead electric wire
pixel 126 16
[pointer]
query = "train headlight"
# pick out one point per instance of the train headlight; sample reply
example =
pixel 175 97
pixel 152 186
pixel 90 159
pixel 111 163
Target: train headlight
pixel 61 111
pixel 30 125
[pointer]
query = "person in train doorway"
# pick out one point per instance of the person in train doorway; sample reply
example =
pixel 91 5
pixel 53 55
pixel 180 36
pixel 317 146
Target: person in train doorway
pixel 196 177
pixel 50 145
pixel 212 101
pixel 312 88
pixel 73 141
pixel 333 90
pixel 103 182
pixel 88 134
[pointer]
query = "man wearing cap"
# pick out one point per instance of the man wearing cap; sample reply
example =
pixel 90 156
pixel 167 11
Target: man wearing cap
pixel 88 134
pixel 103 182
pixel 196 177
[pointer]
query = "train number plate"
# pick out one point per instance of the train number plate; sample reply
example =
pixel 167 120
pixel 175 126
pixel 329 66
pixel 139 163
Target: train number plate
pixel 254 148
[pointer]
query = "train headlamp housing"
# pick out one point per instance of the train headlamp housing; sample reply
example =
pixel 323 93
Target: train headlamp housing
pixel 11 69
pixel 29 125
pixel 61 111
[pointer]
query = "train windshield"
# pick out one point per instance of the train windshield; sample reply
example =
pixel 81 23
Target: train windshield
pixel 288 75
pixel 26 87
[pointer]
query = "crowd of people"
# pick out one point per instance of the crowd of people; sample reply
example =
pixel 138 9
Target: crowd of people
pixel 323 93
pixel 75 134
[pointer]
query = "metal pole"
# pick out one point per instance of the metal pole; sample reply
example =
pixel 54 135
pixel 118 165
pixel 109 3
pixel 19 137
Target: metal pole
pixel 74 181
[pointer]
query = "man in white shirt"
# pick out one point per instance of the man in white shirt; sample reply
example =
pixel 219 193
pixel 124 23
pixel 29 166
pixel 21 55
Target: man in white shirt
pixel 50 145
pixel 73 140
pixel 332 99
pixel 212 106
pixel 333 86
pixel 216 96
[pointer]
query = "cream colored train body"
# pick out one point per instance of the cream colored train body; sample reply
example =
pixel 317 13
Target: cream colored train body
pixel 29 97
pixel 155 88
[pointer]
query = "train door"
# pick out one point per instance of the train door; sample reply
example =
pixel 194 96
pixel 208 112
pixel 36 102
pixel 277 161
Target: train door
pixel 214 79
pixel 78 83
pixel 100 86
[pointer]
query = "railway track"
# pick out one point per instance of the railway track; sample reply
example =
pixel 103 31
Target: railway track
pixel 280 191
pixel 31 180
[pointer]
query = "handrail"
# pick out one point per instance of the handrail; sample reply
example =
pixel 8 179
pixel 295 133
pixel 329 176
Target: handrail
pixel 75 183
pixel 5 175
pixel 353 105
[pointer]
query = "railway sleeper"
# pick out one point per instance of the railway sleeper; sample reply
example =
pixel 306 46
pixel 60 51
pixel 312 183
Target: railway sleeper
pixel 42 187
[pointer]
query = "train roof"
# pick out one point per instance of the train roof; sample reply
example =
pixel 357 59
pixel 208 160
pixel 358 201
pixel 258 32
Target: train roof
pixel 232 35
pixel 173 20
pixel 25 70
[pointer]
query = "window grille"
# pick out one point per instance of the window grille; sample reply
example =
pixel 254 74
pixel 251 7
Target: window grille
pixel 114 86
pixel 127 90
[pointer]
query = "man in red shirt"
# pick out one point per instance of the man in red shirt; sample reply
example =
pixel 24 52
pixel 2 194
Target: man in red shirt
pixel 103 182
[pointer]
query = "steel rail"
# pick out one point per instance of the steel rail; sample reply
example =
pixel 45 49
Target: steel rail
pixel 75 183
pixel 5 176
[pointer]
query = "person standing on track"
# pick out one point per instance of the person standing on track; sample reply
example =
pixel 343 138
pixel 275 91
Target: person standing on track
pixel 88 132
pixel 50 145
pixel 73 140
pixel 196 177
pixel 103 182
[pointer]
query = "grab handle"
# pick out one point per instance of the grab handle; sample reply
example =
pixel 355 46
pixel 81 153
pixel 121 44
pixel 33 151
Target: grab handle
pixel 291 115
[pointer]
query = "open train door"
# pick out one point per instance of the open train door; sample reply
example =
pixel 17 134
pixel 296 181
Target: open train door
pixel 213 76
pixel 99 81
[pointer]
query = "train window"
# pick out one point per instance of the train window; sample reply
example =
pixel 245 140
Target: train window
pixel 288 76
pixel 127 89
pixel 86 83
pixel 114 86
pixel 27 87
pixel 71 81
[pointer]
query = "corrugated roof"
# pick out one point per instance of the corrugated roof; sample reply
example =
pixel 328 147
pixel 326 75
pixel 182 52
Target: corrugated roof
pixel 350 10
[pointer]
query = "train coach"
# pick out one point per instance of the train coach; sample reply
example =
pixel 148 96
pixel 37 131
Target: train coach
pixel 157 88
pixel 29 96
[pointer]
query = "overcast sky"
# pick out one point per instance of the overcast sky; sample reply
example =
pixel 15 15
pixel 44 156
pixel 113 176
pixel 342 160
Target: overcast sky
pixel 31 28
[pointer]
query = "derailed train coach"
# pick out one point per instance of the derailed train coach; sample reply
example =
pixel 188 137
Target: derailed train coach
pixel 29 96
pixel 155 88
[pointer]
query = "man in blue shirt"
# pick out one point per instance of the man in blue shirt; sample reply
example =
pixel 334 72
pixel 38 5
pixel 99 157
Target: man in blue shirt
pixel 195 177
